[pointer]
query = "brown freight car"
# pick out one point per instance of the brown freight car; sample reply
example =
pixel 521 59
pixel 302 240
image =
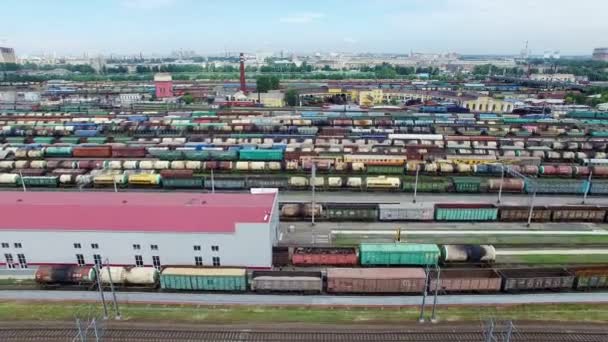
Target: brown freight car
pixel 516 213
pixel 375 280
pixel 92 152
pixel 465 280
pixel 325 256
pixel 128 152
pixel 526 279
pixel 578 213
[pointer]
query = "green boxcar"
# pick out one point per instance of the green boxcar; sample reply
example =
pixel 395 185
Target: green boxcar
pixel 223 155
pixel 398 254
pixel 203 279
pixel 467 184
pixel 97 140
pixel 196 155
pixel 274 182
pixel 40 181
pixel 352 212
pixel 122 139
pixel 464 212
pixel 58 151
pixel 168 155
pixel 44 140
pixel 262 155
pixel 15 140
pixel 182 183
pixel 556 186
pixel 69 140
pixel 599 187
pixel 426 184
pixel 379 169
pixel 225 183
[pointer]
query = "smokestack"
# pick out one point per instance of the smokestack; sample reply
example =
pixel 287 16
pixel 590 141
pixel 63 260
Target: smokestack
pixel 243 86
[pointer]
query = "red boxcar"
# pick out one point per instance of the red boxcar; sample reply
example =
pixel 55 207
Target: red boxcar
pixel 92 152
pixel 324 256
pixel 128 152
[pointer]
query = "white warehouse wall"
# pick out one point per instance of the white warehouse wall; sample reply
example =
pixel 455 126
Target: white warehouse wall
pixel 249 246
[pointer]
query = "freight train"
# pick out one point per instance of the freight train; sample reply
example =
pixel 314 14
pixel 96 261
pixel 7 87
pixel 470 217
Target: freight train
pixel 399 280
pixel 380 212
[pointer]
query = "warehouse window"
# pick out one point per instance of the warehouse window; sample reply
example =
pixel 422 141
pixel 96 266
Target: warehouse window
pixel 18 245
pixel 136 247
pixel 156 261
pixel 5 245
pixel 9 260
pixel 139 261
pixel 216 261
pixel 22 261
pixel 80 259
pixel 154 247
pixel 77 245
pixel 197 247
pixel 97 260
pixel 94 246
pixel 198 260
pixel 215 248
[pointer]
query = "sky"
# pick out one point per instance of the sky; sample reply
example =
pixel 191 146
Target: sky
pixel 305 26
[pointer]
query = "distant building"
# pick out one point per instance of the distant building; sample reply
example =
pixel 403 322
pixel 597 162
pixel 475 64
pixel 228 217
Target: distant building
pixel 370 97
pixel 273 98
pixel 129 98
pixel 163 82
pixel 569 78
pixel 489 104
pixel 600 54
pixel 7 55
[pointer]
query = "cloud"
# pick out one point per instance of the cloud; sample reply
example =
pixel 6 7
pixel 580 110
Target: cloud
pixel 301 18
pixel 350 40
pixel 147 4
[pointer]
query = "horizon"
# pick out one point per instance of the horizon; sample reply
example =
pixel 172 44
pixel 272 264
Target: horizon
pixel 159 27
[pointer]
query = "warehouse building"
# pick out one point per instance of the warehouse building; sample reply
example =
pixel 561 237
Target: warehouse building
pixel 138 229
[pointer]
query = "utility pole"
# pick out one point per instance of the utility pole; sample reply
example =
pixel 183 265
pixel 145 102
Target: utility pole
pixel 313 178
pixel 437 282
pixel 502 180
pixel 416 183
pixel 588 187
pixel 532 206
pixel 100 287
pixel 509 332
pixel 116 310
pixel 426 284
pixel 22 182
pixel 212 183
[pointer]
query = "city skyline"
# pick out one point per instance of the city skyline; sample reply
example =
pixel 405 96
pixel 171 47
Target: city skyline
pixel 399 26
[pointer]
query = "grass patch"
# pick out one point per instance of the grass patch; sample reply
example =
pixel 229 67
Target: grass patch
pixel 553 259
pixel 11 311
pixel 548 240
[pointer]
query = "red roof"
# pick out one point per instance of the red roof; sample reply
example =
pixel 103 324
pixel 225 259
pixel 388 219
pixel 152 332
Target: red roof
pixel 151 212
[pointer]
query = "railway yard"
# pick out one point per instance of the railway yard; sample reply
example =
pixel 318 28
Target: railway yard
pixel 368 210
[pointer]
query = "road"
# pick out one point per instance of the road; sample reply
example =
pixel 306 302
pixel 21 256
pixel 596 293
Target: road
pixel 401 197
pixel 320 300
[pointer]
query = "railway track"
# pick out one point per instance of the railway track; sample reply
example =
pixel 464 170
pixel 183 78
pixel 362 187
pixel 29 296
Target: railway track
pixel 237 335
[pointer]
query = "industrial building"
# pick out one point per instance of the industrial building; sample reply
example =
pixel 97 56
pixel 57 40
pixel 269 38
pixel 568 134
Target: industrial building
pixel 138 229
pixel 163 83
pixel 7 55
pixel 600 54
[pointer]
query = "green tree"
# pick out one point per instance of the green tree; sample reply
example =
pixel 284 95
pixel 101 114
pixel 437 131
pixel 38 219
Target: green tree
pixel 291 97
pixel 188 98
pixel 266 83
